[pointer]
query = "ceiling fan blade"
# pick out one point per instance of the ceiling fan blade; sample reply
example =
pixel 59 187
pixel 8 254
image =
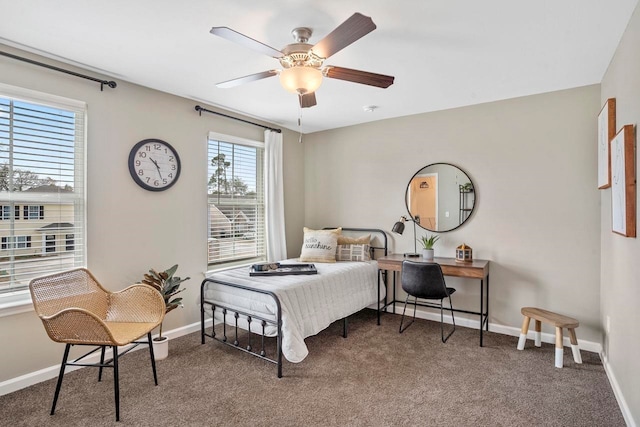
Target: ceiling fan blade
pixel 308 100
pixel 346 33
pixel 357 76
pixel 239 38
pixel 247 79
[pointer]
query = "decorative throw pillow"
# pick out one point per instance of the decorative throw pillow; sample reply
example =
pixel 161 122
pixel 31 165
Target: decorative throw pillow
pixel 319 245
pixel 361 240
pixel 353 253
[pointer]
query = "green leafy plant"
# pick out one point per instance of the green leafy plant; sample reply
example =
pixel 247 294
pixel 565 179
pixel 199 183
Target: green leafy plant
pixel 168 285
pixel 427 241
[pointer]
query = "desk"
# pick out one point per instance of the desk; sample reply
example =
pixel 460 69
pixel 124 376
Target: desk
pixel 477 269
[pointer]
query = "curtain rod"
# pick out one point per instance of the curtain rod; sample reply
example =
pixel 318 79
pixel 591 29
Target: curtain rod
pixel 199 109
pixel 111 83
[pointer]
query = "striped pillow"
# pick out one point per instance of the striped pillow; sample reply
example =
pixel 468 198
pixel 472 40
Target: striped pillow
pixel 353 253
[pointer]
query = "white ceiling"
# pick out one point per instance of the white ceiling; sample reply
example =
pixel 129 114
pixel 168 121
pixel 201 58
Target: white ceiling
pixel 443 54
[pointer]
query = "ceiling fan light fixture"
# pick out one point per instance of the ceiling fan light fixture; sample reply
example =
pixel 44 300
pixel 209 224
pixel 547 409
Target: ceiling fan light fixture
pixel 300 79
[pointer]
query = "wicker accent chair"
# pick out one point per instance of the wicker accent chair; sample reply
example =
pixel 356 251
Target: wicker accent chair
pixel 76 310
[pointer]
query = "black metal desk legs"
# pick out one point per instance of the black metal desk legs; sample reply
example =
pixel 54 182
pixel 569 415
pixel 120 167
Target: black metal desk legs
pixel 484 315
pixel 484 302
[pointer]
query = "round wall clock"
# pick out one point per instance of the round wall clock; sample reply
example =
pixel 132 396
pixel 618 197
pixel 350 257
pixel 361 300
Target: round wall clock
pixel 154 164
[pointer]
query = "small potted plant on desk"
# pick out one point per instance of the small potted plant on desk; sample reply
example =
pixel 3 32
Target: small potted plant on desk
pixel 427 243
pixel 169 286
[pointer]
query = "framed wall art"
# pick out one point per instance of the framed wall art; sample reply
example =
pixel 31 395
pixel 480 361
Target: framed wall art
pixel 606 132
pixel 623 182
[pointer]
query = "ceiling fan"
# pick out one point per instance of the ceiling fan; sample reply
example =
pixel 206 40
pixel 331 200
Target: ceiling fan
pixel 303 63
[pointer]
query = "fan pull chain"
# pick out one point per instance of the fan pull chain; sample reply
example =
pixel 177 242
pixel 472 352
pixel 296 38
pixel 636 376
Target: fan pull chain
pixel 300 119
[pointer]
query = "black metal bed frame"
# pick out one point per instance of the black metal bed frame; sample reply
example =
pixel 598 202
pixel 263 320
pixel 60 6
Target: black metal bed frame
pixel 263 322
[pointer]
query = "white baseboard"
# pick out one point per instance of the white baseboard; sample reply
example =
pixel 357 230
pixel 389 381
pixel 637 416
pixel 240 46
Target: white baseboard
pixel 500 329
pixel 624 407
pixel 36 377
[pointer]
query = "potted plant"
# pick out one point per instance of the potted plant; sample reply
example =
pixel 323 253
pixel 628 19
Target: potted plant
pixel 427 243
pixel 467 187
pixel 169 286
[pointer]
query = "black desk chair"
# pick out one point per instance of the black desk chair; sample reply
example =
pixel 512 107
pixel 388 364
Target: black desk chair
pixel 425 281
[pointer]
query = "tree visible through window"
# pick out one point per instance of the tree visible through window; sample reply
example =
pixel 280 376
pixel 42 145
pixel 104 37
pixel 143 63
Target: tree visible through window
pixel 235 200
pixel 41 186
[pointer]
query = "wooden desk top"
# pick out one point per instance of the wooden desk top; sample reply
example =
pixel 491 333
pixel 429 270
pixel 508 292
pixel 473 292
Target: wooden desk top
pixel 477 269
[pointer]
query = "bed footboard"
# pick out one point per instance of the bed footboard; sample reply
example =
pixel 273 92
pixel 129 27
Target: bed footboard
pixel 257 349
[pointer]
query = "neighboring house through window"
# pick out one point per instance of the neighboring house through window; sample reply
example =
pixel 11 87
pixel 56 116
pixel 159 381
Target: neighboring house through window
pixel 236 226
pixel 42 196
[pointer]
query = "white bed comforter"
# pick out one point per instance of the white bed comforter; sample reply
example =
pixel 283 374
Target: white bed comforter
pixel 309 303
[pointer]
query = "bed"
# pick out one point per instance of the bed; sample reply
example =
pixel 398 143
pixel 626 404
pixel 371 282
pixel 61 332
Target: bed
pixel 289 308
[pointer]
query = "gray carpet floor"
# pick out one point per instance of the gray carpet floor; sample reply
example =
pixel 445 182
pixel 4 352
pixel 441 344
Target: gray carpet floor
pixel 375 377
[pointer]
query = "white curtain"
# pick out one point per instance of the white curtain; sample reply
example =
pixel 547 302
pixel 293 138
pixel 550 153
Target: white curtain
pixel 274 197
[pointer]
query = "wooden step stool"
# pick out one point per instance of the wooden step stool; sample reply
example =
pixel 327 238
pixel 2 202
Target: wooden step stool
pixel 557 320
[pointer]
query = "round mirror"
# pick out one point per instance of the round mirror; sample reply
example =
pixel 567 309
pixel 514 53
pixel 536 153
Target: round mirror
pixel 440 197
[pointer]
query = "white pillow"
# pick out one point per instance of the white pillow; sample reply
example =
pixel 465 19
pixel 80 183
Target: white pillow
pixel 319 245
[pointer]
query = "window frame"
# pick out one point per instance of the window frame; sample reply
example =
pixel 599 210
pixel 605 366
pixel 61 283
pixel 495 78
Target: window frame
pixel 18 300
pixel 260 203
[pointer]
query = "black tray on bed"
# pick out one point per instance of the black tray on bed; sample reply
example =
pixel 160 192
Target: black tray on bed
pixel 277 269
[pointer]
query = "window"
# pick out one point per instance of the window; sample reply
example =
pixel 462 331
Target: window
pixel 17 242
pixel 50 243
pixel 42 193
pixel 236 226
pixel 69 246
pixel 33 212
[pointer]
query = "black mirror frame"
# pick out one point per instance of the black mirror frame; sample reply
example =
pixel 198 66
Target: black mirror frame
pixel 475 200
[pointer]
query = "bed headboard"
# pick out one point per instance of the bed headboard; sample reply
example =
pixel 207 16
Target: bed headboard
pixel 378 246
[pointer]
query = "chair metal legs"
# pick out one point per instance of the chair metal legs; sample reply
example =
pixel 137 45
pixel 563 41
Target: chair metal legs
pixel 415 307
pixel 153 358
pixel 60 376
pixel 116 382
pixel 442 321
pixel 112 363
pixel 102 351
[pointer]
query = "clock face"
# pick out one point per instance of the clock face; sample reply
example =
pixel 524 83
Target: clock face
pixel 154 164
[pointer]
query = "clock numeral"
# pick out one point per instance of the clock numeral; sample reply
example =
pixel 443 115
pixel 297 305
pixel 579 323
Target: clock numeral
pixel 142 154
pixel 141 172
pixel 171 175
pixel 156 183
pixel 137 162
pixel 147 147
pixel 164 181
pixel 148 180
pixel 157 146
pixel 171 158
pixel 173 167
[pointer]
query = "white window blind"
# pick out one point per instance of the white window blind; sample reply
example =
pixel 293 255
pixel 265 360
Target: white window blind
pixel 42 191
pixel 236 226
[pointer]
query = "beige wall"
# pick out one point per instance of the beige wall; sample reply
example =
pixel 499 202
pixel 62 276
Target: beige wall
pixel 538 218
pixel 129 229
pixel 533 163
pixel 620 269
